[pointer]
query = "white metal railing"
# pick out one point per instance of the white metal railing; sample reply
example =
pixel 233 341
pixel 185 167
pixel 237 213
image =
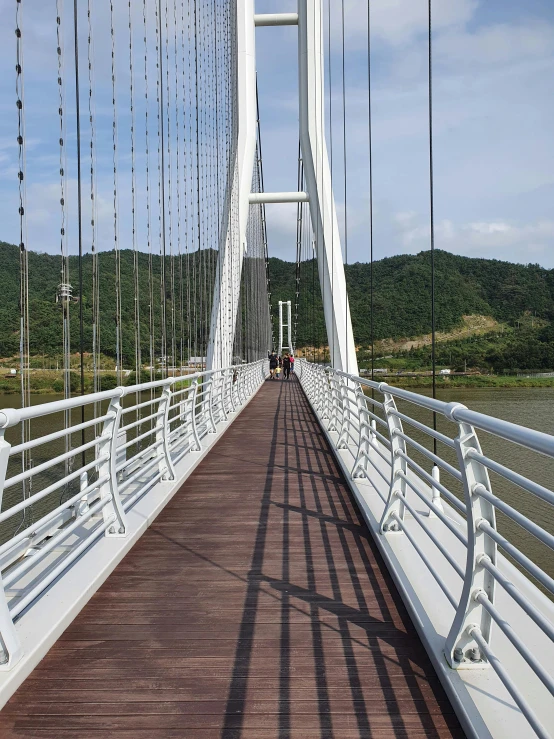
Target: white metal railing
pixel 57 496
pixel 466 558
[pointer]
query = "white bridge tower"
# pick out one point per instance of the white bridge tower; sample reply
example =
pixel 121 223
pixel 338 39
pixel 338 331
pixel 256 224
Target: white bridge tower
pixel 283 325
pixel 318 193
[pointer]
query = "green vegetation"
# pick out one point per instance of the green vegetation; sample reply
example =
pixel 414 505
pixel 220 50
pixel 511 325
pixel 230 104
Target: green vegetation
pixel 445 383
pixel 46 316
pixel 519 299
pixel 402 285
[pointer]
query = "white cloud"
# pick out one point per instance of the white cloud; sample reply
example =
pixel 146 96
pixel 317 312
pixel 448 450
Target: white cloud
pixel 397 22
pixel 496 44
pixel 498 239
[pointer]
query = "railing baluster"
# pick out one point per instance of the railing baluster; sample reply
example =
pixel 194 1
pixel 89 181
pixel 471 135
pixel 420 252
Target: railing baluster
pixel 193 395
pixel 345 425
pixel 166 467
pixel 365 437
pixel 107 448
pixel 462 650
pixel 334 422
pixel 10 646
pixel 397 491
pixel 210 401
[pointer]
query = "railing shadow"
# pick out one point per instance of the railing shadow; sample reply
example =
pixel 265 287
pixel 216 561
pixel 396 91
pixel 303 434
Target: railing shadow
pixel 347 588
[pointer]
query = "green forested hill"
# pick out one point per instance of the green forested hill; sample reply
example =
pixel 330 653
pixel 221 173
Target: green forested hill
pixel 402 308
pixel 402 284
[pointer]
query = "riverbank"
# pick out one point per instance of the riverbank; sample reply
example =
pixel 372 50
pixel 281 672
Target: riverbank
pixel 46 382
pixel 476 381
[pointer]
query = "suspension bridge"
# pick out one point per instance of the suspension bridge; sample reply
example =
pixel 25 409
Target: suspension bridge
pixel 196 551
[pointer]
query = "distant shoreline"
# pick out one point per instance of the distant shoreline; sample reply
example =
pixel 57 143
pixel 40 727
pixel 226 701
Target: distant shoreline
pixel 477 381
pixel 49 382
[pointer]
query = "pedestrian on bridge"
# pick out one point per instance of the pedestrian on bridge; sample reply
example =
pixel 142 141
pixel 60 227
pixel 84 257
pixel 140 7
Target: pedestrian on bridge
pixel 273 364
pixel 286 367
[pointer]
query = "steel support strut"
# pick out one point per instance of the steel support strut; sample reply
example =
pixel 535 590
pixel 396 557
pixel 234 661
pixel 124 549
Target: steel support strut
pixel 318 193
pixel 232 241
pixel 317 173
pixel 463 649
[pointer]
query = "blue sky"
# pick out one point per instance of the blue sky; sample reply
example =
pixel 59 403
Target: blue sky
pixel 494 124
pixel 493 119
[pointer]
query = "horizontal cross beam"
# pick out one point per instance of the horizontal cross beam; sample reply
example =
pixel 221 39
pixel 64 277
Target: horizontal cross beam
pixel 276 19
pixel 278 197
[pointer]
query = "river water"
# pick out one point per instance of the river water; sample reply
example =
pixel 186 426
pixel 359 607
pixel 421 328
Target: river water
pixel 531 407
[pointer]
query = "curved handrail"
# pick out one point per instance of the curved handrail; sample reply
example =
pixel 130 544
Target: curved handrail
pixel 470 590
pixel 126 454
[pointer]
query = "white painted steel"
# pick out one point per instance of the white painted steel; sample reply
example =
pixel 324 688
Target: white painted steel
pixel 318 185
pixel 488 629
pixel 278 197
pixel 183 412
pixel 276 19
pixel 232 243
pixel 285 324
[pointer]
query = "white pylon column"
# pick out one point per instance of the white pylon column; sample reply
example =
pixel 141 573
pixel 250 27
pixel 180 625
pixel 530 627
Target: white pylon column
pixel 283 326
pixel 318 186
pixel 232 241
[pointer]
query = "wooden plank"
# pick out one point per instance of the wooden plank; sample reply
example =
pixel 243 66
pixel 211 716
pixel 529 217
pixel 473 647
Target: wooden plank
pixel 256 605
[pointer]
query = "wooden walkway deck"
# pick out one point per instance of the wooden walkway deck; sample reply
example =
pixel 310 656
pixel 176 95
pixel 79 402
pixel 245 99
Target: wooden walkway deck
pixel 256 606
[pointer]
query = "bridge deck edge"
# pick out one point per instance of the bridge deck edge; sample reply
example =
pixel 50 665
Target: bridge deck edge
pixel 40 627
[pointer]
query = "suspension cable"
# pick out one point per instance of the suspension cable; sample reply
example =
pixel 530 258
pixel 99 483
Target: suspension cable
pixel 432 216
pixel 118 328
pixel 169 160
pixel 151 322
pixel 136 283
pixel 93 213
pixel 64 290
pixel 161 180
pixel 79 218
pixel 331 169
pixel 24 343
pixel 270 337
pixel 345 173
pixel 370 143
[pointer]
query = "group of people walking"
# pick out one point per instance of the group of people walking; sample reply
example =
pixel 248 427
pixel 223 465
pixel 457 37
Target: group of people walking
pixel 280 365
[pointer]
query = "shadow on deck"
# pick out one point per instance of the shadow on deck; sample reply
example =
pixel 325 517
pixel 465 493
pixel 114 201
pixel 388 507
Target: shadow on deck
pixel 256 606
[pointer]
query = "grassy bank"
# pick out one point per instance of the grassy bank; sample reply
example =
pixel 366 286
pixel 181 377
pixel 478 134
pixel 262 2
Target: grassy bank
pixel 45 382
pixel 446 383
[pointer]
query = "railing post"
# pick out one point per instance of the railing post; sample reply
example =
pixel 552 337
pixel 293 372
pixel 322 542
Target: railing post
pixel 210 396
pixel 107 447
pixel 241 384
pixel 216 402
pixel 366 436
pixel 194 395
pixel 221 392
pixel 399 467
pixel 435 493
pixel 249 382
pixel 335 400
pixel 4 459
pixel 462 651
pixel 324 390
pixel 10 646
pixel 345 426
pixel 231 383
pixel 316 402
pixel 162 435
